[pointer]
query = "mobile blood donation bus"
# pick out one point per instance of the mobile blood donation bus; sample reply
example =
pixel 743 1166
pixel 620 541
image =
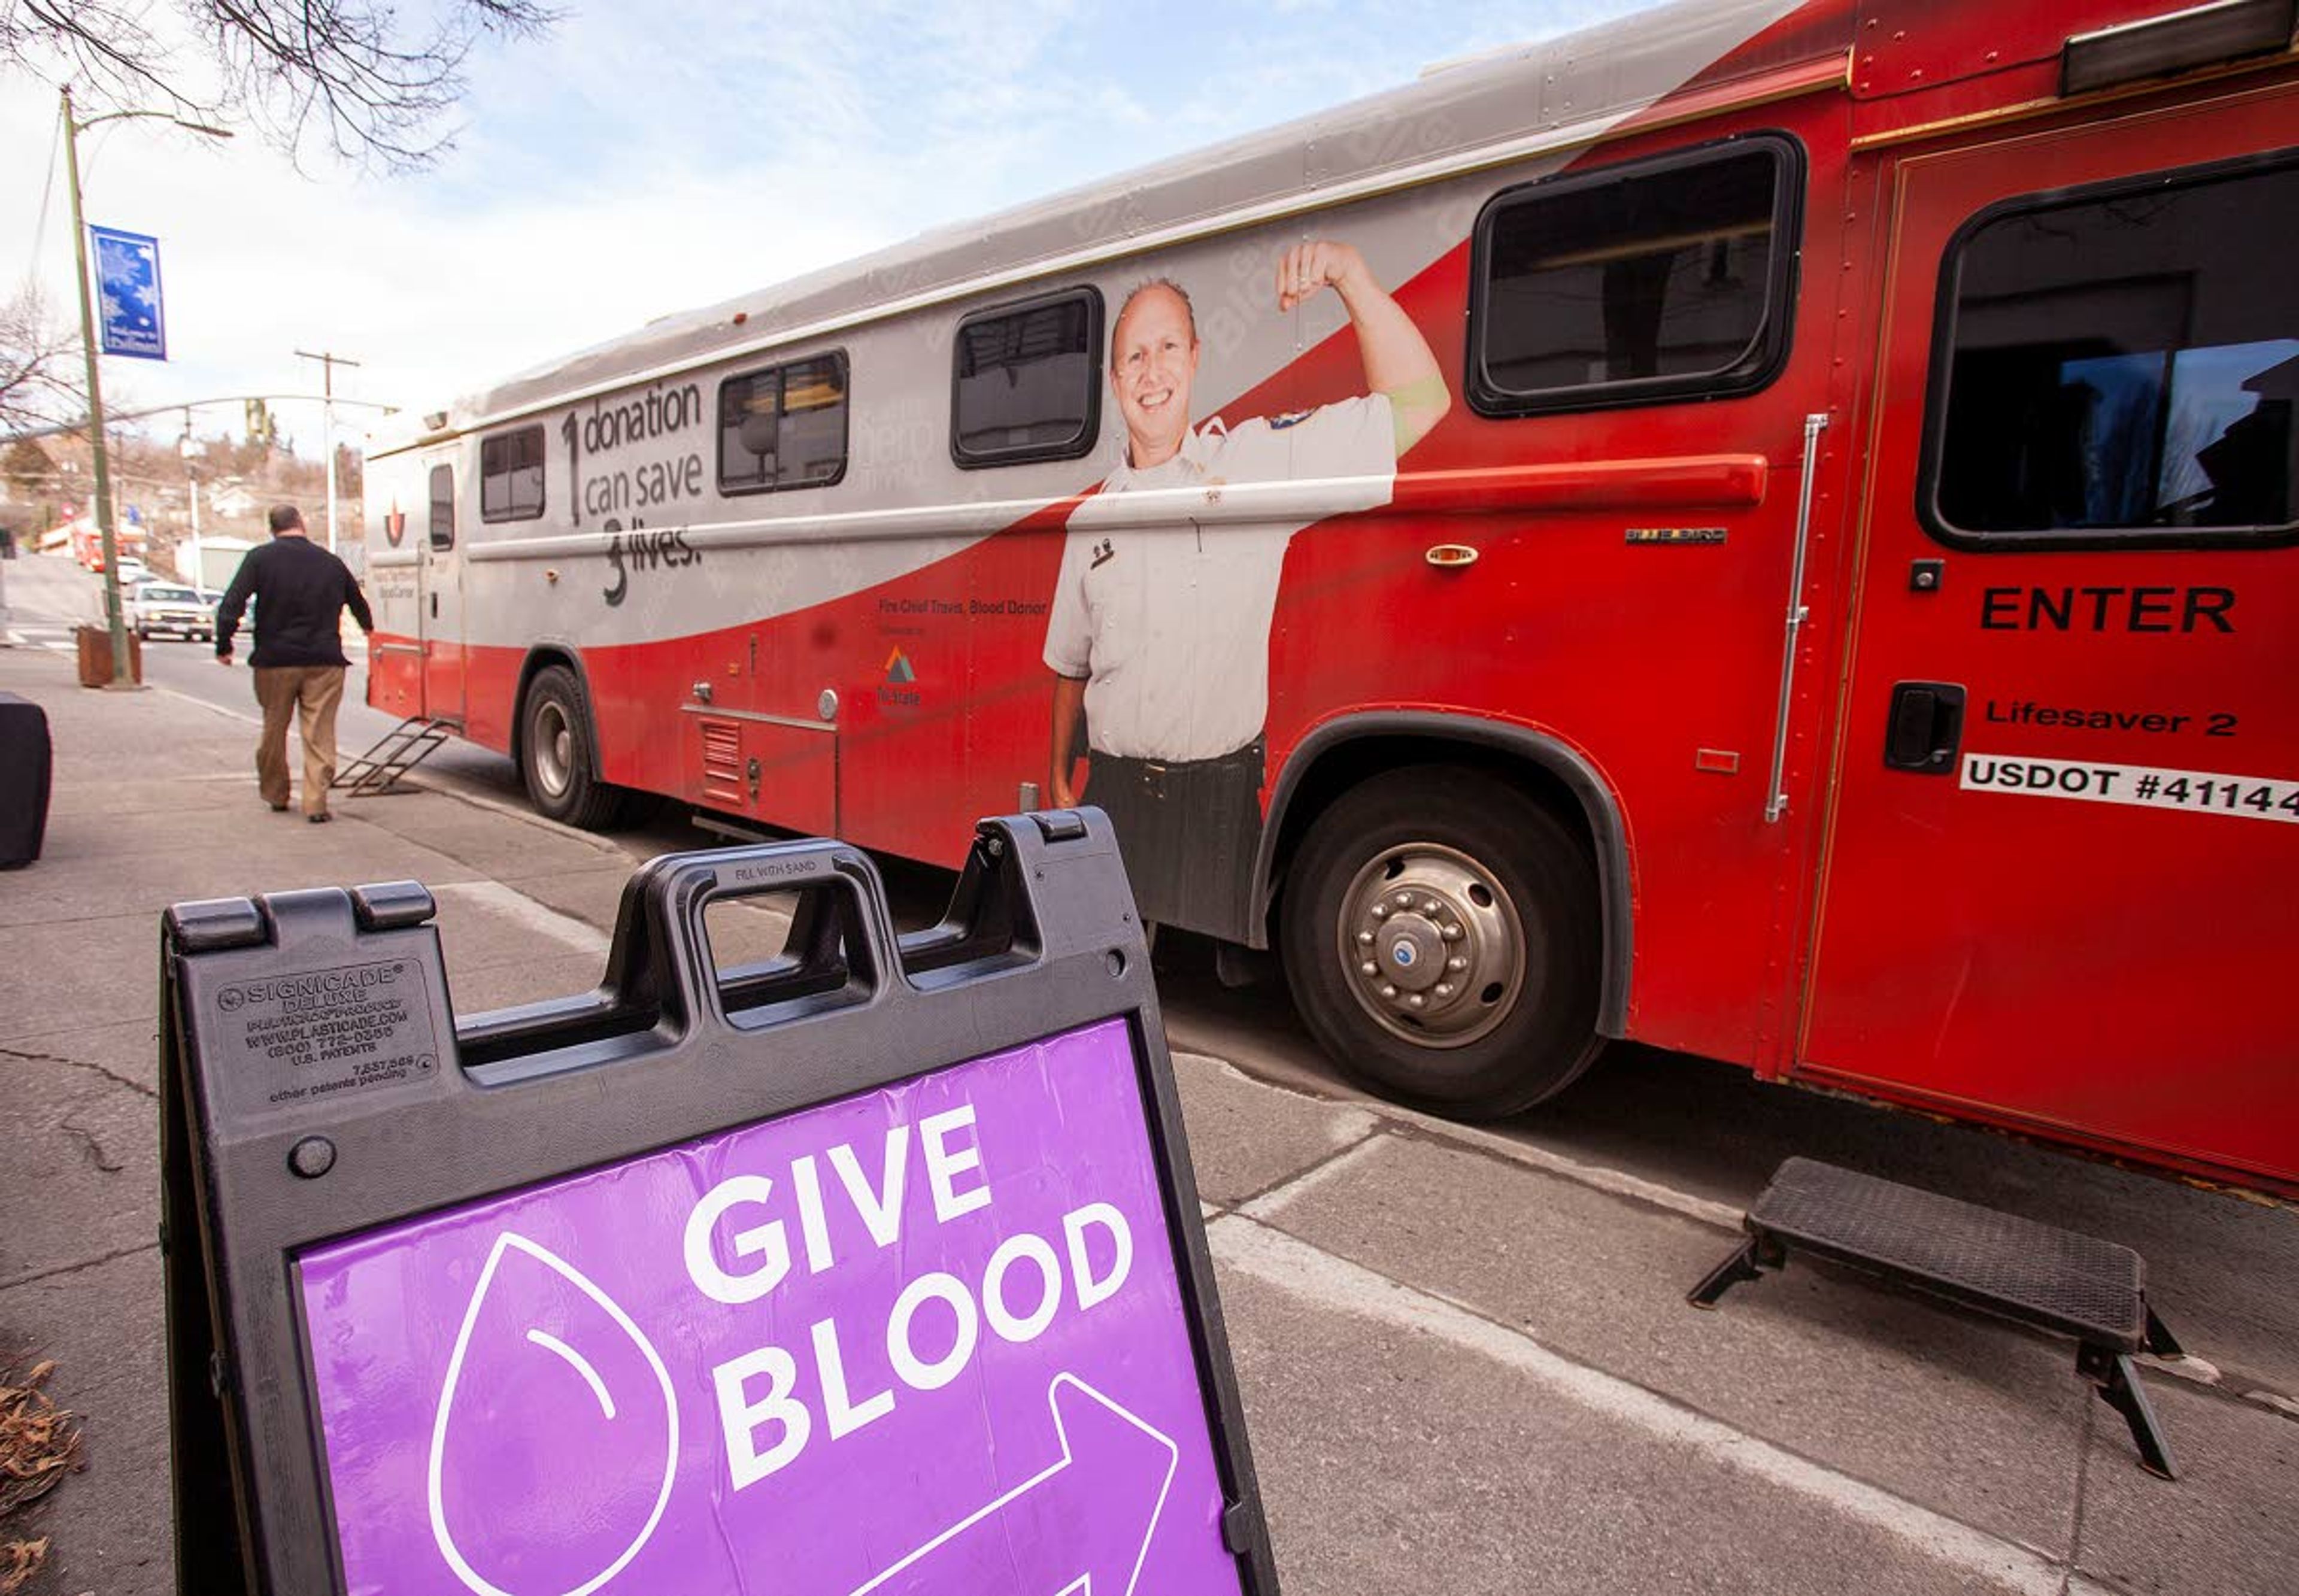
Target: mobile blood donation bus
pixel 1764 529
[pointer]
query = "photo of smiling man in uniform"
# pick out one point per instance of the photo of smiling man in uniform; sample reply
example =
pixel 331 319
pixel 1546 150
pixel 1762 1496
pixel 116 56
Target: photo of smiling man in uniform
pixel 1160 625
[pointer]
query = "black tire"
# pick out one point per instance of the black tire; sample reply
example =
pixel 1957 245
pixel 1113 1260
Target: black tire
pixel 1515 1030
pixel 557 752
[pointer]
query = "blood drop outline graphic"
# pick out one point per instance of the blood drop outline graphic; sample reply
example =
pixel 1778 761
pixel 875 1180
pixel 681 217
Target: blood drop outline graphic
pixel 522 1255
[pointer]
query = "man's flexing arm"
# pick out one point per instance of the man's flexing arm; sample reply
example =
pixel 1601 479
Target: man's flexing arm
pixel 1397 361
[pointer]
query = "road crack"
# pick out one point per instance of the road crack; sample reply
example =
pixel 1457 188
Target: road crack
pixel 113 1076
pixel 93 1149
pixel 63 1270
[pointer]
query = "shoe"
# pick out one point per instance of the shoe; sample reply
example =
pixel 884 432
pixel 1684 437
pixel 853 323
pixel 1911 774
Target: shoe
pixel 278 808
pixel 319 819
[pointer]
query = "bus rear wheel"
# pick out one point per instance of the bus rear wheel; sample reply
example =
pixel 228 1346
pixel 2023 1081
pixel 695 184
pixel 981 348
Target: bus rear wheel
pixel 557 758
pixel 1442 935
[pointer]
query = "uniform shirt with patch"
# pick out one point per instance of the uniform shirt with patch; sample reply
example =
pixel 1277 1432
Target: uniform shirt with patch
pixel 1169 622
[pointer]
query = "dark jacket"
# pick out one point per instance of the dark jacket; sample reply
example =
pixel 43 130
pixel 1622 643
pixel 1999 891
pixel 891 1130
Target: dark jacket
pixel 302 590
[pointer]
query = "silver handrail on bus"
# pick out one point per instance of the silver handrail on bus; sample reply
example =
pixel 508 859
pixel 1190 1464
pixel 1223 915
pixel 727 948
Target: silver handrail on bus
pixel 1776 802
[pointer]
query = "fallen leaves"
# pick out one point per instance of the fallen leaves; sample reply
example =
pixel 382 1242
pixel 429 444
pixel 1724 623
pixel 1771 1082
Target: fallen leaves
pixel 18 1561
pixel 40 1444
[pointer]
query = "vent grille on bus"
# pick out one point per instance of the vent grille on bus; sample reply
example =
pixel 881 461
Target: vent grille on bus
pixel 722 762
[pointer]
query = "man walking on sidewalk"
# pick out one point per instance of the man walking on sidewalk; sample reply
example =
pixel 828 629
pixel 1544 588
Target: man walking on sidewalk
pixel 301 591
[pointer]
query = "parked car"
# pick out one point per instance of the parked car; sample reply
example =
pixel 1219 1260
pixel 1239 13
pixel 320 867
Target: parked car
pixel 171 607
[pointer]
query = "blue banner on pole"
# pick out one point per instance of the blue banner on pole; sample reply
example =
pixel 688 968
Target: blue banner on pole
pixel 127 278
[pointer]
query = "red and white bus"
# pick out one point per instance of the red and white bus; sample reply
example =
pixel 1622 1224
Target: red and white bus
pixel 1765 528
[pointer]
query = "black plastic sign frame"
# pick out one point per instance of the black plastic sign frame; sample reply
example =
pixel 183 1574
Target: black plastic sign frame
pixel 882 1253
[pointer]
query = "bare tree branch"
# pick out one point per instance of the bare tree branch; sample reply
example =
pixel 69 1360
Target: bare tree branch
pixel 37 382
pixel 348 77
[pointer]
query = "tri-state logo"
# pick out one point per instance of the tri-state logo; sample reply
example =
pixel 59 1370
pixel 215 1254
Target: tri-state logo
pixel 899 689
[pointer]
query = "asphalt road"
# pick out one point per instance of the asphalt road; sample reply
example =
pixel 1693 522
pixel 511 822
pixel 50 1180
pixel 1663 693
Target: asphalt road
pixel 48 594
pixel 2222 1266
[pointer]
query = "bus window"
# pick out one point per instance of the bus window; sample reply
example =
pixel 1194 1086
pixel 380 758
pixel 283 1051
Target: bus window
pixel 784 427
pixel 1025 382
pixel 511 476
pixel 1635 284
pixel 2121 363
pixel 443 507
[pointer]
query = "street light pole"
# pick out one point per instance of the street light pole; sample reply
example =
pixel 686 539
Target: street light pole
pixel 328 361
pixel 189 449
pixel 122 675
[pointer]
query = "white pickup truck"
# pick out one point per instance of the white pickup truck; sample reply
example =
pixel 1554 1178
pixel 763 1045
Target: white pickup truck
pixel 171 607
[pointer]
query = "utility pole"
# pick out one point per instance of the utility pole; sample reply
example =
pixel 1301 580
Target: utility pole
pixel 328 363
pixel 190 450
pixel 122 676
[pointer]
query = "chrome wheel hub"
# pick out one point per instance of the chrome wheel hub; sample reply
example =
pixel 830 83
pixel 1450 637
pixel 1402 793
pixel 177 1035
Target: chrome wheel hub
pixel 1433 949
pixel 555 748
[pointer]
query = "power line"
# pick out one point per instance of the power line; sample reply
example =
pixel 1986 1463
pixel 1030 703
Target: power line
pixel 47 191
pixel 79 425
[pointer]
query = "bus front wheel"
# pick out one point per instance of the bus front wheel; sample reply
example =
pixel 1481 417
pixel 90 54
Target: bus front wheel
pixel 1442 937
pixel 556 752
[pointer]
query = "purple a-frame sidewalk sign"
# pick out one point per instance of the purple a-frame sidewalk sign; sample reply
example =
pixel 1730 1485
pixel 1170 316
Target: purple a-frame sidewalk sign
pixel 875 1267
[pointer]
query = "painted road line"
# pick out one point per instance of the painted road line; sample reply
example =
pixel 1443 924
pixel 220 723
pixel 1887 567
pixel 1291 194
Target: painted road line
pixel 1335 1285
pixel 1617 1183
pixel 1275 1200
pixel 208 705
pixel 449 786
pixel 529 914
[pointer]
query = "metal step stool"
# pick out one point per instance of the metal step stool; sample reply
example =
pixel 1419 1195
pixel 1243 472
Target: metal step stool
pixel 2033 1274
pixel 396 753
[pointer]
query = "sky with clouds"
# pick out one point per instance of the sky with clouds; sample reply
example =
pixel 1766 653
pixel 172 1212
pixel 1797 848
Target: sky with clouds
pixel 648 158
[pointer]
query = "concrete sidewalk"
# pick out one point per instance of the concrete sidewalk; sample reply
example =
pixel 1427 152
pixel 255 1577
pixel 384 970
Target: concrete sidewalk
pixel 1467 1367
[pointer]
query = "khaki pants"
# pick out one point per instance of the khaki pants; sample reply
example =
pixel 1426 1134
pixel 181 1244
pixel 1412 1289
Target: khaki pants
pixel 310 693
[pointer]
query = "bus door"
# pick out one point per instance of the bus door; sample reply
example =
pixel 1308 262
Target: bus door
pixel 441 601
pixel 2063 844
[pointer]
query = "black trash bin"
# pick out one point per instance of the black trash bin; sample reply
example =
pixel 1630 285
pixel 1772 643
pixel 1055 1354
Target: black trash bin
pixel 24 772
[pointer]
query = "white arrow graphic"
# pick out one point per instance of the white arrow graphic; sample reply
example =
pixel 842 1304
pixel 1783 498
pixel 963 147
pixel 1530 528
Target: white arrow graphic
pixel 1081 1527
